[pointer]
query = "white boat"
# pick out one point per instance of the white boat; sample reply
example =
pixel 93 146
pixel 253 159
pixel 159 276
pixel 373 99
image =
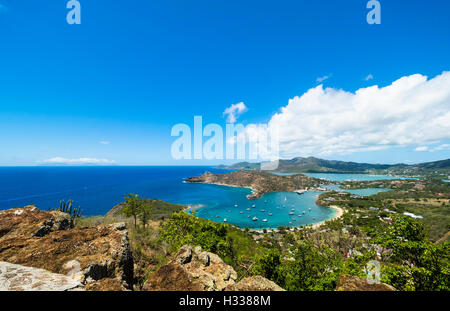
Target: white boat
pixel 217 216
pixel 224 220
pixel 254 218
pixel 241 212
pixel 264 220
pixel 253 205
pixel 309 209
pixel 247 209
pixel 304 212
pixel 263 210
pixel 235 205
pixel 270 214
pixel 291 213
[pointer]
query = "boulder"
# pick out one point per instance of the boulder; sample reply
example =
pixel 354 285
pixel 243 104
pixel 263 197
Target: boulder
pixel 254 283
pixel 44 239
pixel 192 269
pixel 353 283
pixel 20 278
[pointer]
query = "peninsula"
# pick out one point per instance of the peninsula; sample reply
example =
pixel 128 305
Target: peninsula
pixel 259 181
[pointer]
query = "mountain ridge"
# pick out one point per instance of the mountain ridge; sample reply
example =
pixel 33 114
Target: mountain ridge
pixel 317 165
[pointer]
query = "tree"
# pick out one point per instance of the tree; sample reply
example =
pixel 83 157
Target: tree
pixel 132 206
pixel 146 210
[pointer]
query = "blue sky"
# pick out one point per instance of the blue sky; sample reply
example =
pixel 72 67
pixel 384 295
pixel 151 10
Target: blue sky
pixel 133 69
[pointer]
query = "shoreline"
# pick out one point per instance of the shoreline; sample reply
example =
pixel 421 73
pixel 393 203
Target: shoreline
pixel 339 213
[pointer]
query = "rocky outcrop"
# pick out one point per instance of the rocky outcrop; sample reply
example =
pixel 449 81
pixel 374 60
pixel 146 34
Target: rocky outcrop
pixel 353 283
pixel 20 278
pixel 44 239
pixel 254 283
pixel 192 270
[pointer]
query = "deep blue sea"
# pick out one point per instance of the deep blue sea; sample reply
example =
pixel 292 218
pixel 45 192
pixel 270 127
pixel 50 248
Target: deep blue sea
pixel 97 189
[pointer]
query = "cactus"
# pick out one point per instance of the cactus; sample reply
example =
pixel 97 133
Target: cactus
pixel 67 207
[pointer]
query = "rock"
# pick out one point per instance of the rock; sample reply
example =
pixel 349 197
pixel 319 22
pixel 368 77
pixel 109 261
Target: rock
pixel 20 278
pixel 353 283
pixel 192 270
pixel 29 222
pixel 84 254
pixel 254 283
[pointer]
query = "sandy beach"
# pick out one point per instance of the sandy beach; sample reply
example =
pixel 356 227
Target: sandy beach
pixel 339 213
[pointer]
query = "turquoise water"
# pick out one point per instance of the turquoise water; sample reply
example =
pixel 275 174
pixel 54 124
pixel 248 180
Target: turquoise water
pixel 280 204
pixel 361 192
pixel 446 180
pixel 98 189
pixel 349 177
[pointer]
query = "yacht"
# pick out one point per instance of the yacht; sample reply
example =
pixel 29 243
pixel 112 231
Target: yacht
pixel 247 209
pixel 270 214
pixel 304 212
pixel 254 218
pixel 241 212
pixel 291 213
pixel 263 210
pixel 253 205
pixel 224 220
pixel 264 220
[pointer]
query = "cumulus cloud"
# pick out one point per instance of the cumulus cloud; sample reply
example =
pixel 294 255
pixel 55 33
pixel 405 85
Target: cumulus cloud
pixel 321 79
pixel 61 160
pixel 413 110
pixel 369 77
pixel 234 111
pixel 104 142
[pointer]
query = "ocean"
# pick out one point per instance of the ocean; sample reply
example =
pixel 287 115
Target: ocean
pixel 98 188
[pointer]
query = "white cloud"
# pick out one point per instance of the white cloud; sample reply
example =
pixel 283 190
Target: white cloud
pixel 369 77
pixel 422 148
pixel 234 111
pixel 440 148
pixel 61 160
pixel 321 79
pixel 104 142
pixel 411 111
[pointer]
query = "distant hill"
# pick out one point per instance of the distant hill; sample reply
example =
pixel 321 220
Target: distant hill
pixel 316 165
